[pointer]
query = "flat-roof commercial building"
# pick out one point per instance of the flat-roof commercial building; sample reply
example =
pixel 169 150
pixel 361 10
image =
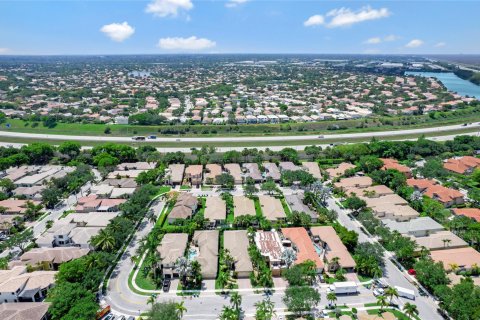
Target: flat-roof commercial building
pixel 236 242
pixel 207 243
pixel 215 210
pixel 243 206
pixel 303 246
pixel 330 246
pixel 171 248
pixel 272 208
pixel 235 171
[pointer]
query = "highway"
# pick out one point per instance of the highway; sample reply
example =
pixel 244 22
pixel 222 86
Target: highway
pixel 206 140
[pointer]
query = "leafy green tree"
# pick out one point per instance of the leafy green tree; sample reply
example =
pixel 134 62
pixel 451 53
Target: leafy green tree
pixel 269 186
pixel 70 149
pixel 264 310
pixel 71 299
pixel 355 204
pixel 301 274
pixel 369 164
pixel 288 154
pixel 300 300
pixel 225 180
pixel 104 240
pixel 430 274
pixel 163 311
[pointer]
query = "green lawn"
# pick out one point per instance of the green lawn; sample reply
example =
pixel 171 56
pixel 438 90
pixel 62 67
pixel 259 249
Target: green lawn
pixel 398 314
pixel 258 208
pixel 185 187
pixel 462 116
pixel 164 189
pixel 285 206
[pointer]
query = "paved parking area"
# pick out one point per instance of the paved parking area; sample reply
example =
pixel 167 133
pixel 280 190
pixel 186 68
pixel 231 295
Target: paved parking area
pixel 244 283
pixel 279 282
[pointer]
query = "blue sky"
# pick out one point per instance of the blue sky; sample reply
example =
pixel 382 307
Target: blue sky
pixel 238 26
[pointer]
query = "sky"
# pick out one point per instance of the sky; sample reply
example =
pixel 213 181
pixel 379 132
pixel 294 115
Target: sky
pixel 238 26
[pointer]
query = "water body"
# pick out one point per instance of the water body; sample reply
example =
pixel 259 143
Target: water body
pixel 452 82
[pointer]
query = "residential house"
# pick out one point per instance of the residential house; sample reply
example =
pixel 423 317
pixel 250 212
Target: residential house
pixel 174 174
pixel 271 171
pixel 473 213
pixel 340 170
pixel 270 246
pixel 439 240
pixel 354 182
pixel 51 258
pixel 295 202
pixel 237 243
pixel 18 285
pixel 418 227
pixel 329 245
pixel 463 258
pixel 447 196
pixel 389 163
pixel 206 242
pixel 243 206
pixel 303 246
pixel 235 171
pixel 253 172
pixel 272 208
pixel 462 165
pixel 194 174
pixel 184 207
pixel 288 166
pixel 313 169
pixel 171 248
pixel 24 311
pixel 213 171
pixel 215 210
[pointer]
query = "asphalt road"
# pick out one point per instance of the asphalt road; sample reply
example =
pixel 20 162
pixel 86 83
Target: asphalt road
pixel 368 135
pixel 426 306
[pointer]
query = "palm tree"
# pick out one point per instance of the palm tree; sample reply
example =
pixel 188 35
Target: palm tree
pixel 236 300
pixel 104 240
pixel 334 263
pixel 289 256
pixel 391 292
pixel 228 313
pixel 228 259
pixel 181 309
pixel 32 210
pixel 382 301
pixel 410 310
pixel 454 267
pixel 264 309
pixel 151 300
pixel 182 265
pixel 332 297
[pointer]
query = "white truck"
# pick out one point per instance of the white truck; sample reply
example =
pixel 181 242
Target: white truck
pixel 405 293
pixel 347 287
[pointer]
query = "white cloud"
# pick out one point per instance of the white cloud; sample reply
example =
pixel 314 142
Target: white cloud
pixel 390 37
pixel 181 44
pixel 415 43
pixel 234 3
pixel 118 31
pixel 440 44
pixel 4 50
pixel 165 8
pixel 345 17
pixel 315 20
pixel 375 40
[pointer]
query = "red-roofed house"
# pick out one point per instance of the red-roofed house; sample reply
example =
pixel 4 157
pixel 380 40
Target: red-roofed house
pixel 432 189
pixel 463 165
pixel 389 163
pixel 303 245
pixel 473 213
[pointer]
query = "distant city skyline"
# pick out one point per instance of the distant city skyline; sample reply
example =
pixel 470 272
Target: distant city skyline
pixel 239 26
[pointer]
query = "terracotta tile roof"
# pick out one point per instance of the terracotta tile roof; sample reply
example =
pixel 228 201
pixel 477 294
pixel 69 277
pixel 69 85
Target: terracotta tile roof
pixel 473 213
pixel 335 247
pixel 304 245
pixel 462 165
pixel 389 163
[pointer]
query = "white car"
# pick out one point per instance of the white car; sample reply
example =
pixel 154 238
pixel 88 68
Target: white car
pixel 378 292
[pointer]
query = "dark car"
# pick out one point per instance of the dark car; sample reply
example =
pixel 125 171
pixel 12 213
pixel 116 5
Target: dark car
pixel 166 285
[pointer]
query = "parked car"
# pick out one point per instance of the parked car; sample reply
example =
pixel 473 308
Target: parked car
pixel 109 317
pixel 380 283
pixel 152 137
pixel 166 285
pixel 412 272
pixel 131 318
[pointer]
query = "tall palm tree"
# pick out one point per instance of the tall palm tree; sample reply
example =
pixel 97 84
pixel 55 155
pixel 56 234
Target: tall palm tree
pixel 104 240
pixel 382 301
pixel 332 298
pixel 334 263
pixel 236 300
pixel 182 265
pixel 391 292
pixel 181 309
pixel 410 310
